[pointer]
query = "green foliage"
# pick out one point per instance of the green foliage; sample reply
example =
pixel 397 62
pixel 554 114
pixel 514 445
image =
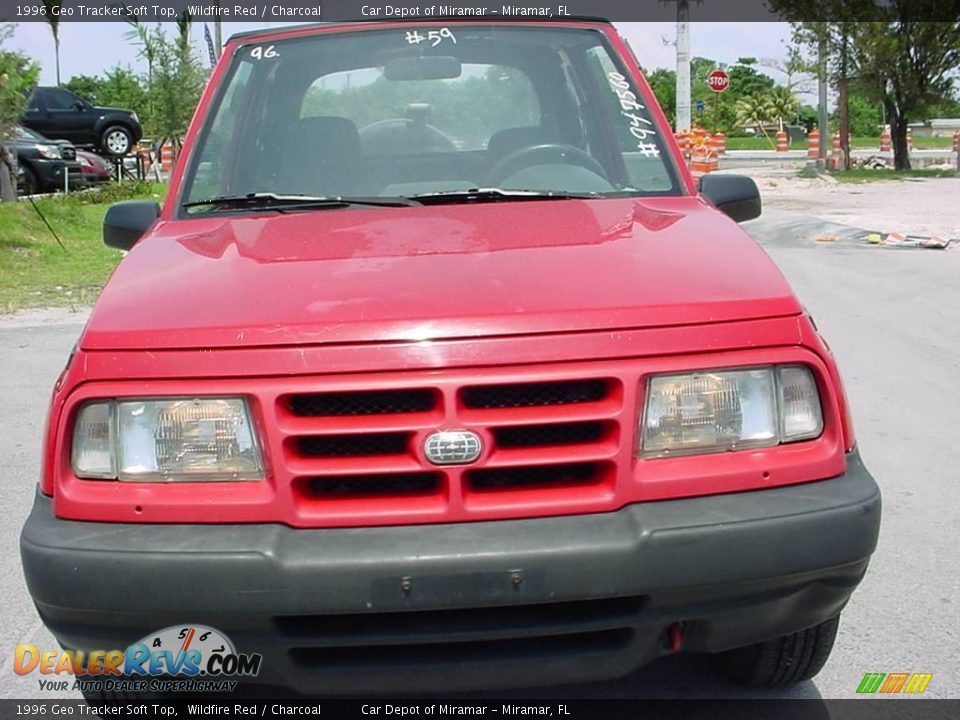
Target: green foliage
pixel 864 116
pixel 112 192
pixel 718 112
pixel 117 87
pixel 121 87
pixel 783 105
pixel 900 54
pixel 36 272
pixel 85 86
pixel 663 82
pixel 757 111
pixel 18 74
pixel 176 84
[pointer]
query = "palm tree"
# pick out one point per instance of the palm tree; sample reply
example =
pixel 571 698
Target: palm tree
pixel 756 110
pixel 783 104
pixel 53 17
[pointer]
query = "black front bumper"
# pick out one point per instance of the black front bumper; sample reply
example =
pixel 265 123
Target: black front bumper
pixel 466 606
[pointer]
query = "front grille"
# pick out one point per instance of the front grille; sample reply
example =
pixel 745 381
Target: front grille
pixel 356 445
pixel 534 394
pixel 380 402
pixel 359 455
pixel 373 485
pixel 533 476
pixel 548 435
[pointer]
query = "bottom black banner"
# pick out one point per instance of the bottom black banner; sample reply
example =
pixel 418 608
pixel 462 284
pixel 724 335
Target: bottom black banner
pixel 860 709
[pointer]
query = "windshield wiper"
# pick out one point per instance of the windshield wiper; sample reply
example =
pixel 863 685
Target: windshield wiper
pixel 498 195
pixel 281 203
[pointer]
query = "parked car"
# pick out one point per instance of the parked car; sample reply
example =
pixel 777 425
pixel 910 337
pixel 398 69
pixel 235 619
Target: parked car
pixel 43 163
pixel 95 168
pixel 529 409
pixel 60 113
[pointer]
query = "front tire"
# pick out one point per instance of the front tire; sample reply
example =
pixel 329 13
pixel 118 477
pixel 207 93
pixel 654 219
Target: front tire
pixel 116 140
pixel 31 185
pixel 782 661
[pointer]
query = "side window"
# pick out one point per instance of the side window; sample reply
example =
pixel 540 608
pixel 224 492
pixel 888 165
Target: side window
pixel 60 100
pixel 213 176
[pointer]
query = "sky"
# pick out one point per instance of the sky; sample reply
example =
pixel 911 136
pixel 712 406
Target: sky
pixel 89 48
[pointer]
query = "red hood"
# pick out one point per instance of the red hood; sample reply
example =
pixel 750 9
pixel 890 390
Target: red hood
pixel 422 273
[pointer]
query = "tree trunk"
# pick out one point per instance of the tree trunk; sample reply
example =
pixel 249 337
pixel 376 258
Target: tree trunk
pixel 901 151
pixel 8 183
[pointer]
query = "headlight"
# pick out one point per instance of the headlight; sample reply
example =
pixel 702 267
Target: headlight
pixel 178 439
pixel 712 411
pixel 51 152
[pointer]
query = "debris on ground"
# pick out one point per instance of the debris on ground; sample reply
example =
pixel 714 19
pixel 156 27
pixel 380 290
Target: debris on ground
pixel 827 238
pixel 931 242
pixel 871 163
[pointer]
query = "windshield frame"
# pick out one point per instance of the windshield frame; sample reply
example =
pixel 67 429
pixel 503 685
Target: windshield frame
pixel 234 62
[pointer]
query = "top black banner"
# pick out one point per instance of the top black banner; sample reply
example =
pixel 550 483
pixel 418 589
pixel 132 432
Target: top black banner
pixel 426 10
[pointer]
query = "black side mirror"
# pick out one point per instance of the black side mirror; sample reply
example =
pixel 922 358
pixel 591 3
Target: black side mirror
pixel 734 195
pixel 126 222
pixel 79 105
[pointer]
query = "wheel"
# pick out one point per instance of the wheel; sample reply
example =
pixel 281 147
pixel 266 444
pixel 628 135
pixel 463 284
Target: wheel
pixel 116 140
pixel 31 186
pixel 782 661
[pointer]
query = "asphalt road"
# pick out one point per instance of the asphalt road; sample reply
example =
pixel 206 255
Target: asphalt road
pixel 893 320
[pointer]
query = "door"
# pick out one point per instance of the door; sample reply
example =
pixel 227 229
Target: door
pixel 68 117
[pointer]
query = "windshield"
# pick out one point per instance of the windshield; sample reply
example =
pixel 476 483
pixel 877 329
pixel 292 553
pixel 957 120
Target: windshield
pixel 421 111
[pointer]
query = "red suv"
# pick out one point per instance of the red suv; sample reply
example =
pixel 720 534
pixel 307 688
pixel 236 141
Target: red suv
pixel 438 371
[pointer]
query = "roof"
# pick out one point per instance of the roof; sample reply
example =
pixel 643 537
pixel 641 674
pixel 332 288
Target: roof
pixel 392 21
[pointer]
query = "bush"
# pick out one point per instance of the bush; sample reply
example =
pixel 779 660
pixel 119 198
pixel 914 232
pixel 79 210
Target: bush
pixel 112 192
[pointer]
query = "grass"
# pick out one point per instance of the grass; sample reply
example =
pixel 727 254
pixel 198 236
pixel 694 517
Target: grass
pixel 859 143
pixel 862 175
pixel 35 272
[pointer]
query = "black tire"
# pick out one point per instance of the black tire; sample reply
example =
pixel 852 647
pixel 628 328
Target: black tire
pixel 782 661
pixel 116 141
pixel 31 186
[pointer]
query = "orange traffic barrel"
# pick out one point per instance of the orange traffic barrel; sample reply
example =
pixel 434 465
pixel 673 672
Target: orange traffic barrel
pixel 885 145
pixel 813 143
pixel 782 141
pixel 721 138
pixel 910 138
pixel 700 160
pixel 166 158
pixel 956 140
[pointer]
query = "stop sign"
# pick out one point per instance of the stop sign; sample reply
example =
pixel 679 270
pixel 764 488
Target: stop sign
pixel 718 80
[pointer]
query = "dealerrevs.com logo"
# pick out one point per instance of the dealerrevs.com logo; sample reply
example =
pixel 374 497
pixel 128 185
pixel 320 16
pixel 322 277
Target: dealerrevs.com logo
pixel 180 658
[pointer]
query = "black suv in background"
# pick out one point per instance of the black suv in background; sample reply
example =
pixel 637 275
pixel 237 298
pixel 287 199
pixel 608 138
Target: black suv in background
pixel 44 162
pixel 56 112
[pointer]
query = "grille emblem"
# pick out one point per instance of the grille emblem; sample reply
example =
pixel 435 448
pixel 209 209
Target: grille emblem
pixel 452 447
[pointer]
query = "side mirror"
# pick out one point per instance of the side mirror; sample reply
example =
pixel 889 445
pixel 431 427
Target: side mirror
pixel 733 195
pixel 126 222
pixel 79 105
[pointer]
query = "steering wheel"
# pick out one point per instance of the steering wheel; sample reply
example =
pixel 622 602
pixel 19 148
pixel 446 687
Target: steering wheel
pixel 545 154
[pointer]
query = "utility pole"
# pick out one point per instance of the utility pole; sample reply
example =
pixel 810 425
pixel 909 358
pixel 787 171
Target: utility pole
pixel 683 65
pixel 822 88
pixel 218 32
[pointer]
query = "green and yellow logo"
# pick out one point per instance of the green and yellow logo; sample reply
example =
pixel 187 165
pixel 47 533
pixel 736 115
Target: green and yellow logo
pixel 893 683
